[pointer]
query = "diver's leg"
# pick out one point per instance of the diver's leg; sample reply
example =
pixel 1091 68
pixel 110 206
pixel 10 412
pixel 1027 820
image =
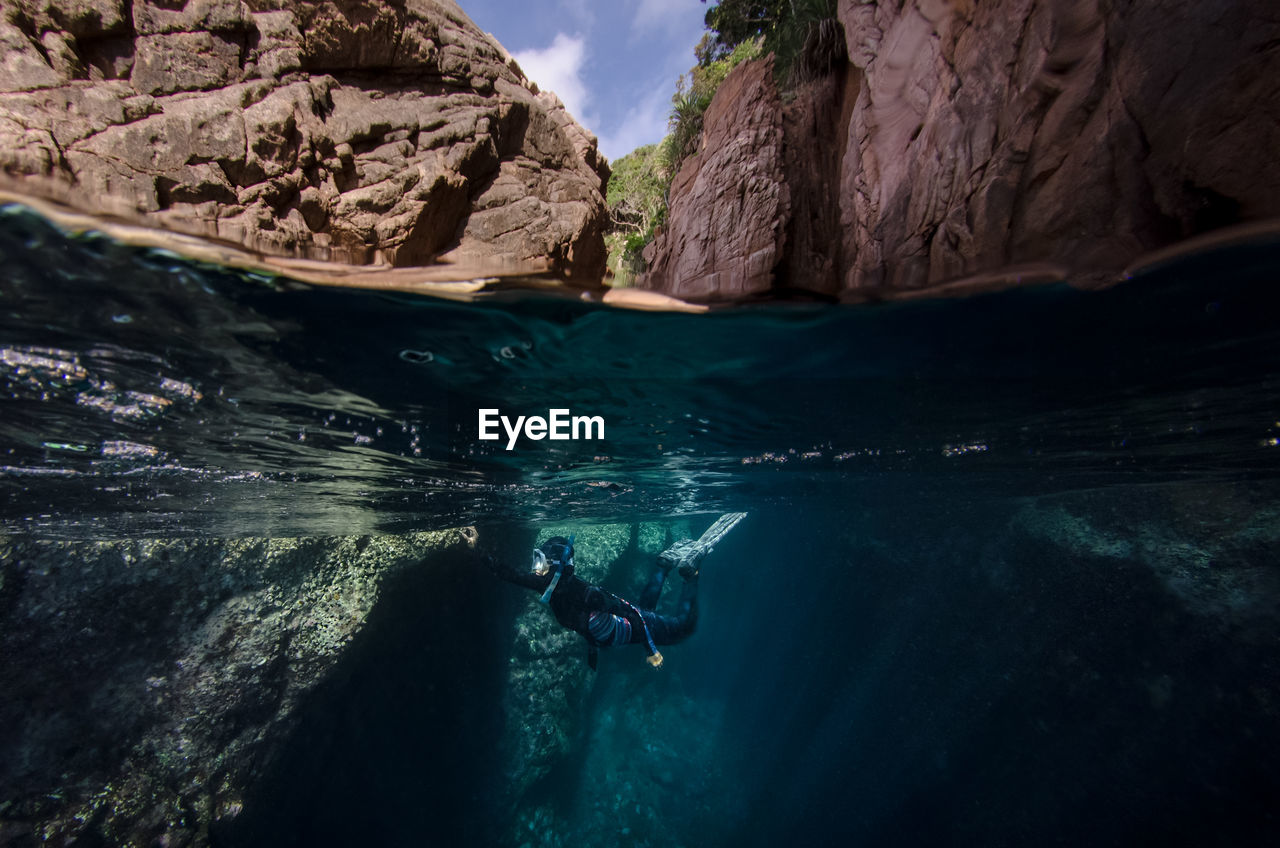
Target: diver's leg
pixel 669 629
pixel 653 589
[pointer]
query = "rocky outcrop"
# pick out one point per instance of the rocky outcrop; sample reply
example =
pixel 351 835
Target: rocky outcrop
pixel 146 682
pixel 389 131
pixel 964 137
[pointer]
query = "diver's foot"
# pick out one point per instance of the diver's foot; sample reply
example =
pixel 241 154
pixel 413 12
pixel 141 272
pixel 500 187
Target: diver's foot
pixel 689 570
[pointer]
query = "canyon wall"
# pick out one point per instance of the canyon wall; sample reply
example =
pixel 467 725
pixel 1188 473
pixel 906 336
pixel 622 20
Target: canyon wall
pixel 387 131
pixel 965 137
pixel 723 235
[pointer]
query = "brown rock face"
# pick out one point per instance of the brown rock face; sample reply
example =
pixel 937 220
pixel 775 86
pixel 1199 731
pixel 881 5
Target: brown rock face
pixel 964 137
pixel 724 232
pixel 385 131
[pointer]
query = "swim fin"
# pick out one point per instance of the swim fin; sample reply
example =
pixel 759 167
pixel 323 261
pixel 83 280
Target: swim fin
pixel 687 553
pixel 720 528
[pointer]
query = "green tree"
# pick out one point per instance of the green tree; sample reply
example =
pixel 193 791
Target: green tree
pixel 637 189
pixel 731 22
pixel 637 200
pixel 804 35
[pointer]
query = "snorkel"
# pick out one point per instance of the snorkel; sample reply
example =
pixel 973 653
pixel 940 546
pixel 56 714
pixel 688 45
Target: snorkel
pixel 551 587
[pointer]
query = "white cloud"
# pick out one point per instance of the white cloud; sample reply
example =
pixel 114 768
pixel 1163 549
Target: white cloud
pixel 644 123
pixel 558 68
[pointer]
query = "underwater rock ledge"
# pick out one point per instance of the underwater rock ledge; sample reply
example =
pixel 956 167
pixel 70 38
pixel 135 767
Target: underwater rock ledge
pixel 145 683
pixel 169 691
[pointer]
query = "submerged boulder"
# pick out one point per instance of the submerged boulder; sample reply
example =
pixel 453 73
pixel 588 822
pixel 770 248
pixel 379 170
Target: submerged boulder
pixel 548 680
pixel 390 131
pixel 549 684
pixel 219 691
pixel 146 683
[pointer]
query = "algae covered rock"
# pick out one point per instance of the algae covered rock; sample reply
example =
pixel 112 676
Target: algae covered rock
pixel 653 537
pixel 179 691
pixel 146 682
pixel 549 682
pixel 652 770
pixel 1213 560
pixel 596 546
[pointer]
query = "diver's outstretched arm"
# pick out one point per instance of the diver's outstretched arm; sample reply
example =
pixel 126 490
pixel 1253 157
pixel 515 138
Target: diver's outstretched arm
pixel 518 576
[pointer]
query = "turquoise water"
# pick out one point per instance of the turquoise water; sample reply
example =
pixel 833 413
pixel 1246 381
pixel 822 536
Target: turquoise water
pixel 1008 576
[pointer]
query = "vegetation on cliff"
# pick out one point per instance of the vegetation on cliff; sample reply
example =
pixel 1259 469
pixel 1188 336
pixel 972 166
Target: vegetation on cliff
pixel 637 199
pixel 804 35
pixel 637 190
pixel 694 92
pixel 806 40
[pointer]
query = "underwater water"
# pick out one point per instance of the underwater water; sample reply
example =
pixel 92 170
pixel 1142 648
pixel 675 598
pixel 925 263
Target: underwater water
pixel 1008 574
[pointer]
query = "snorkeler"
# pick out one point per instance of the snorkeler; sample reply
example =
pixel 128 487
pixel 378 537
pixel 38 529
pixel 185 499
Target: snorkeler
pixel 606 620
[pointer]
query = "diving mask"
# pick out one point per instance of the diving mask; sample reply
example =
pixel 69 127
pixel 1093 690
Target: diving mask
pixel 540 565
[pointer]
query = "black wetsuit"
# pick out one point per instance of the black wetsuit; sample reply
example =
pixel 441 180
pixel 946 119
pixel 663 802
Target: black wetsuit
pixel 603 618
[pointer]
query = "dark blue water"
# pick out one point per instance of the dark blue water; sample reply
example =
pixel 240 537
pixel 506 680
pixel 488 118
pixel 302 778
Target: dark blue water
pixel 1008 577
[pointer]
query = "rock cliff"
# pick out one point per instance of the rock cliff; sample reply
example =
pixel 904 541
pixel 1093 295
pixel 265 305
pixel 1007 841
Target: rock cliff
pixel 963 137
pixel 387 131
pixel 724 233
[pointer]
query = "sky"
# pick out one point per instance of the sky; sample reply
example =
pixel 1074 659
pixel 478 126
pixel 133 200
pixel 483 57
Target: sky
pixel 614 63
